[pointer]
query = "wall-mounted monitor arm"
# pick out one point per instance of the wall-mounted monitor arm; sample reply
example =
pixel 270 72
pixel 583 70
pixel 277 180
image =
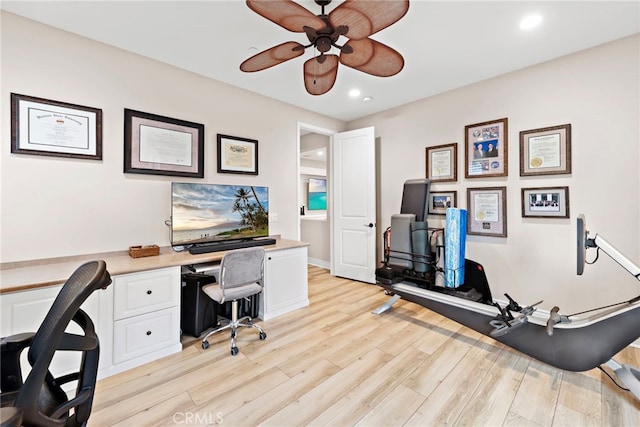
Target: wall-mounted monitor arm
pixel 616 255
pixel 584 242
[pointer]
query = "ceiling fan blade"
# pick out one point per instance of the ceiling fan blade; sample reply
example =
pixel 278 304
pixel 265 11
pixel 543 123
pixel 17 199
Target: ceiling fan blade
pixel 273 56
pixel 319 78
pixel 287 14
pixel 365 18
pixel 373 57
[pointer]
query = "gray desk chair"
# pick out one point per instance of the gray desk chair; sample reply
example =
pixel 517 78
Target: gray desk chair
pixel 241 275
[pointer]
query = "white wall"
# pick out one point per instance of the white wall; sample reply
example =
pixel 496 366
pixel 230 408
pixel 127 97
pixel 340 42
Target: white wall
pixel 598 92
pixel 54 207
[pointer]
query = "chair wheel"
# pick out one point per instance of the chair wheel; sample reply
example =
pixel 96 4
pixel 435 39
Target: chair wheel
pixel 263 335
pixel 234 351
pixel 205 345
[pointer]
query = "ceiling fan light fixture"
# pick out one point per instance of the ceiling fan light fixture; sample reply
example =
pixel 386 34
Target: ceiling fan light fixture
pixel 353 19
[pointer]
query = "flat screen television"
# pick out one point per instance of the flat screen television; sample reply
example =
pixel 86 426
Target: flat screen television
pixel 317 194
pixel 210 213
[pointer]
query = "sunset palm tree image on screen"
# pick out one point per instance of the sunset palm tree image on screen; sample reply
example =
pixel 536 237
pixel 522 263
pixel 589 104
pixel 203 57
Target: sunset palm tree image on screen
pixel 213 212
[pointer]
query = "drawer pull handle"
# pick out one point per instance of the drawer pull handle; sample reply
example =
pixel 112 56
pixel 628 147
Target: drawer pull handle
pixel 148 333
pixel 149 292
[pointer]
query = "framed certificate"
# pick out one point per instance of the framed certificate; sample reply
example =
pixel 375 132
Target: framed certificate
pixel 159 145
pixel 487 211
pixel 545 151
pixel 52 128
pixel 237 155
pixel 442 163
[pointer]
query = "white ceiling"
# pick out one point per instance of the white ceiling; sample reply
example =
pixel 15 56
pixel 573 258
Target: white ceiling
pixel 445 44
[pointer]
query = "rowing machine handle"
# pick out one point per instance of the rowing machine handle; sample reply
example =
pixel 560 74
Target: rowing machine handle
pixel 554 318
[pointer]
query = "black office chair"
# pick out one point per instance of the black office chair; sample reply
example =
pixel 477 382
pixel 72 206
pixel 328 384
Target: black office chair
pixel 241 276
pixel 41 398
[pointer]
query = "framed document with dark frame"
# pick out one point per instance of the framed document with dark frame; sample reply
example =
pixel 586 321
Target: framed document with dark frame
pixel 52 128
pixel 439 201
pixel 237 155
pixel 545 151
pixel 158 145
pixel 442 163
pixel 486 149
pixel 545 202
pixel 487 211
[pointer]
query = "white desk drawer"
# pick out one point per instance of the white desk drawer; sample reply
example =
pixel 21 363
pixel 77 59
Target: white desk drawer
pixel 144 292
pixel 144 334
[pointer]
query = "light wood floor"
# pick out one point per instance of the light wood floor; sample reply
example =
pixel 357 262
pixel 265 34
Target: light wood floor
pixel 335 363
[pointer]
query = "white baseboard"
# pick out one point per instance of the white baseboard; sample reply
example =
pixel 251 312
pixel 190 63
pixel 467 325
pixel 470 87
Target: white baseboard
pixel 318 262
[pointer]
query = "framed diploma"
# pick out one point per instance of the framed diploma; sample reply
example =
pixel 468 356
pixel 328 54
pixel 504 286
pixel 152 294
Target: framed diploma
pixel 487 211
pixel 442 163
pixel 486 149
pixel 157 145
pixel 545 151
pixel 53 128
pixel 545 202
pixel 237 155
pixel 439 201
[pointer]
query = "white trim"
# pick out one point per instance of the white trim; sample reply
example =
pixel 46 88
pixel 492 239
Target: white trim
pixel 318 262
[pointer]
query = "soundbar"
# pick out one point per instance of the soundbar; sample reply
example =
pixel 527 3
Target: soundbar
pixel 227 246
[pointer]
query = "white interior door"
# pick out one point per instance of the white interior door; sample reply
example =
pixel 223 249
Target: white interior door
pixel 354 205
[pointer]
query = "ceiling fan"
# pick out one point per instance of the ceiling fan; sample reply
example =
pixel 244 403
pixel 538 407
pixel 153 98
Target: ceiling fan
pixel 354 19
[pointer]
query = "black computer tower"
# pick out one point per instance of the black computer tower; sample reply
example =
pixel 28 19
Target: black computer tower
pixel 198 312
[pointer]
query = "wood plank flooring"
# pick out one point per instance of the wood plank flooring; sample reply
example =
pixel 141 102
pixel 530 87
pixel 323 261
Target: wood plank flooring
pixel 335 363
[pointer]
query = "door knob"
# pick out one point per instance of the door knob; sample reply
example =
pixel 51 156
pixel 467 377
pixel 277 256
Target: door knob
pixel 370 225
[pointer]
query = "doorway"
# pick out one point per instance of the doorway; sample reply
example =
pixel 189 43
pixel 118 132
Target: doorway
pixel 349 249
pixel 314 192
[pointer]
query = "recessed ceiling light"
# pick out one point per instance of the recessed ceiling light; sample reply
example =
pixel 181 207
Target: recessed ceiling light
pixel 367 99
pixel 354 93
pixel 530 21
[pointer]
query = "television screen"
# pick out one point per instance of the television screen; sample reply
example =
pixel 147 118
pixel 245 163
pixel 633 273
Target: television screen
pixel 202 213
pixel 317 194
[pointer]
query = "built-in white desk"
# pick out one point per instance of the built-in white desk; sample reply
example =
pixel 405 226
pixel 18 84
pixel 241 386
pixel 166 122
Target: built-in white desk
pixel 138 317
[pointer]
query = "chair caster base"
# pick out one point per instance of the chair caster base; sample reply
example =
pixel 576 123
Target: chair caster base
pixel 205 345
pixel 234 351
pixel 263 336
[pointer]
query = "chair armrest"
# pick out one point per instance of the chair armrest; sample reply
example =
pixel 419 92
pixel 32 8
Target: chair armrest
pixel 78 342
pixel 11 348
pixel 86 342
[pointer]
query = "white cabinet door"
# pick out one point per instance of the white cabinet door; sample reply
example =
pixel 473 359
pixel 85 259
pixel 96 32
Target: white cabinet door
pixel 24 312
pixel 285 284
